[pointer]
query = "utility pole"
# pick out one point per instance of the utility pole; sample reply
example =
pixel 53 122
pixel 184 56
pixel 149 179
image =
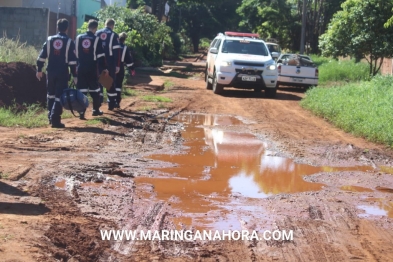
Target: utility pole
pixel 58 9
pixel 304 21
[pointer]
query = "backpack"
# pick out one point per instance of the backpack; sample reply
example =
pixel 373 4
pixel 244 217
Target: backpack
pixel 73 99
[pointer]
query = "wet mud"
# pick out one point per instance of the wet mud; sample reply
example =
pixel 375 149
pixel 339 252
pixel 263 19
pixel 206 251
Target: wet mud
pixel 257 164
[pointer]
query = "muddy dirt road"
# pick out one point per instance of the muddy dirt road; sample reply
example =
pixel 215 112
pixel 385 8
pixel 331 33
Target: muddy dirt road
pixel 195 161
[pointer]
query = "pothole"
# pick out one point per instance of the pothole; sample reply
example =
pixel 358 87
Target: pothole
pixel 221 170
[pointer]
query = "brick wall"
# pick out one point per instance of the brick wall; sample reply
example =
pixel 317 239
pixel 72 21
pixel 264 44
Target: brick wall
pixel 387 66
pixel 30 24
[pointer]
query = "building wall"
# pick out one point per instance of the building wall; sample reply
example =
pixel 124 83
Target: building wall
pixel 66 6
pixel 29 24
pixel 11 3
pixel 86 7
pixel 387 66
pixel 117 2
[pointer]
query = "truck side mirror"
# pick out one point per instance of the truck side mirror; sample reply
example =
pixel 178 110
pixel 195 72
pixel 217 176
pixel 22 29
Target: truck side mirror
pixel 213 50
pixel 275 55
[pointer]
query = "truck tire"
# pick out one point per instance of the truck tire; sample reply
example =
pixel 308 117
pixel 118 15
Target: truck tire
pixel 217 88
pixel 209 86
pixel 270 92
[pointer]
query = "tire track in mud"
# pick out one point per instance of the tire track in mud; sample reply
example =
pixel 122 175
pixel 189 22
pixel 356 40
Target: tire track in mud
pixel 325 224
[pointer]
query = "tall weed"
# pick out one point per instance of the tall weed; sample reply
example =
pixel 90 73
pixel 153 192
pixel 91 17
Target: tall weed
pixel 12 50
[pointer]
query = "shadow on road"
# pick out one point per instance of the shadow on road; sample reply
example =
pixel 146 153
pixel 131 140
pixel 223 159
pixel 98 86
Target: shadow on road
pixel 24 209
pixel 293 89
pixel 10 190
pixel 240 93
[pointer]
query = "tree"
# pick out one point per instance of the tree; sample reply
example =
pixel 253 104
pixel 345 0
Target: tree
pixel 358 30
pixel 282 19
pixel 203 18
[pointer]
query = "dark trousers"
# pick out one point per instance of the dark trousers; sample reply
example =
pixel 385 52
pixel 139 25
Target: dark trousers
pixel 55 85
pixel 88 83
pixel 111 93
pixel 119 84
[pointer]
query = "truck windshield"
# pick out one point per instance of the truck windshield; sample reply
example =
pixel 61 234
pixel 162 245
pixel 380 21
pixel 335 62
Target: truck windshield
pixel 244 47
pixel 273 48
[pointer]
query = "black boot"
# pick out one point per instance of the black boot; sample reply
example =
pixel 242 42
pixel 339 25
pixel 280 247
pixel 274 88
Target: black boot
pixel 97 112
pixel 82 116
pixel 56 122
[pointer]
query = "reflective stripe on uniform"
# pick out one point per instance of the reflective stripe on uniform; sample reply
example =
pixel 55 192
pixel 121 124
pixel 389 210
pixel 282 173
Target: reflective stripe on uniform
pixel 95 48
pixel 129 65
pixel 57 99
pixel 51 97
pixel 48 44
pixel 124 53
pixel 77 47
pixel 117 47
pixel 101 94
pixel 84 90
pixel 67 49
pixel 118 89
pixel 72 63
pixel 41 59
pixel 100 55
pixel 110 44
pixel 96 90
pixel 109 94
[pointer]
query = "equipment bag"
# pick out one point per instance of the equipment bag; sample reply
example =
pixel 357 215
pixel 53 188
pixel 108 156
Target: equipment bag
pixel 74 100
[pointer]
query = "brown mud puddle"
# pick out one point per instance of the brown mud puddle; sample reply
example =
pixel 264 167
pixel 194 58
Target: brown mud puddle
pixel 221 166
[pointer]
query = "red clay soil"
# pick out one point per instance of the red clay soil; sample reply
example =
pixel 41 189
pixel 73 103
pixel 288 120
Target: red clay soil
pixel 22 89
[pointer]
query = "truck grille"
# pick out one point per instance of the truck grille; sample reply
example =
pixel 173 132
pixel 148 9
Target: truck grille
pixel 247 63
pixel 248 71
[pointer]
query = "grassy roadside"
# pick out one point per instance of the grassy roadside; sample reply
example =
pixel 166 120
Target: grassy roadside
pixel 339 71
pixel 363 109
pixel 32 116
pixel 15 51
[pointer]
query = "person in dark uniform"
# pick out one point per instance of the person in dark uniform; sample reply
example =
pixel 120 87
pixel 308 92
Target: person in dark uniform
pixel 60 51
pixel 126 59
pixel 112 48
pixel 90 55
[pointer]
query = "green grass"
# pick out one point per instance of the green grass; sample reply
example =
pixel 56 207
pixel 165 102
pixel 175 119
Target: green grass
pixel 144 108
pixel 4 175
pixel 33 116
pixel 331 70
pixel 15 51
pixel 127 92
pixel 151 98
pixel 98 121
pixel 363 109
pixel 168 84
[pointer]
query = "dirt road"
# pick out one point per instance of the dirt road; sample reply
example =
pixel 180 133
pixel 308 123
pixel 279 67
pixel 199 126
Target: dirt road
pixel 195 161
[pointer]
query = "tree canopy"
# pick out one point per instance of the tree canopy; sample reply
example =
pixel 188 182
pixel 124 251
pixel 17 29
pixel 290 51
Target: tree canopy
pixel 358 30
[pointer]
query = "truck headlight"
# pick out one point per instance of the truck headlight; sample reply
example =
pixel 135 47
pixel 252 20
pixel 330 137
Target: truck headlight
pixel 271 67
pixel 225 63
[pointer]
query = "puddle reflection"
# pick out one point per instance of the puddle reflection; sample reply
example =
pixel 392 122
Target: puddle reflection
pixel 221 164
pixel 382 208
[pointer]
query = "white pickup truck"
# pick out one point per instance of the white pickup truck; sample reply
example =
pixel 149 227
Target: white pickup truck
pixel 296 70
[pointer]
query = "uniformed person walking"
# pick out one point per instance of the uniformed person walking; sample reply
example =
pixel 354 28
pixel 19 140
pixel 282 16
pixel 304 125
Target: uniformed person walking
pixel 111 46
pixel 90 55
pixel 60 51
pixel 126 59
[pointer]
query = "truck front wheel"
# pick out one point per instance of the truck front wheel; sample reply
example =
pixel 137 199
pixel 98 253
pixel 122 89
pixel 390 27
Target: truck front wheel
pixel 209 85
pixel 217 88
